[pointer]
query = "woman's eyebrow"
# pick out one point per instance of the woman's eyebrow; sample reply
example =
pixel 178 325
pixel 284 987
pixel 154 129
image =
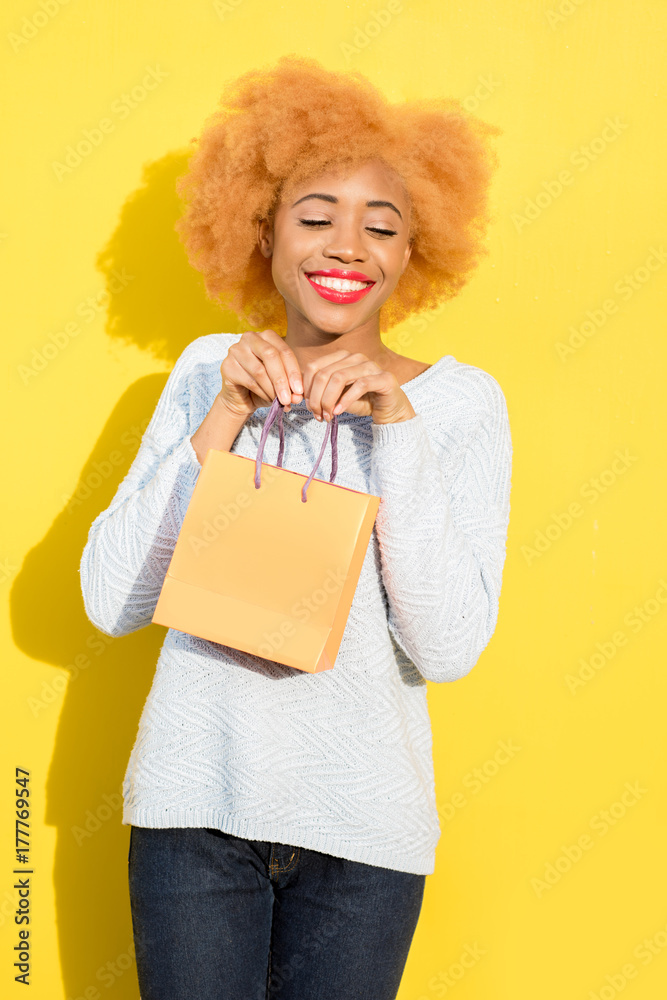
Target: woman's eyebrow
pixel 324 197
pixel 334 201
pixel 384 204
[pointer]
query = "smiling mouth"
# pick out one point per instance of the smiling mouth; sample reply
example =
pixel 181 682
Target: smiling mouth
pixel 340 286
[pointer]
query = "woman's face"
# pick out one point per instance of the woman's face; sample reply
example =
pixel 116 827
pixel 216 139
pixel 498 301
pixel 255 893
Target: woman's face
pixel 339 246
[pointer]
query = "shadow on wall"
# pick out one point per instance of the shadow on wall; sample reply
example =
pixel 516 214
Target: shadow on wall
pixel 162 308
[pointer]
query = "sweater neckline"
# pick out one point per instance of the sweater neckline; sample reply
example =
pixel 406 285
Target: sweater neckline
pixel 427 371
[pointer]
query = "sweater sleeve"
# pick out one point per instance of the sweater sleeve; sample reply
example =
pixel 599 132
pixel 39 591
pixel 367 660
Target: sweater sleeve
pixel 130 544
pixel 442 530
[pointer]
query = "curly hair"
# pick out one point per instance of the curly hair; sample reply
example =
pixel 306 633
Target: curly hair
pixel 275 128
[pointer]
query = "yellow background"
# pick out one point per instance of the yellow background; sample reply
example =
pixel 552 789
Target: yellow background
pixel 552 81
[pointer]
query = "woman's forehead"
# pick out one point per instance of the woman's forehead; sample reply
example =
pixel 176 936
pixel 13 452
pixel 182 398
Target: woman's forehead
pixel 350 180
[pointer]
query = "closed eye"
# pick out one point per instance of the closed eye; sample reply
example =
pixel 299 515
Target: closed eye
pixel 325 222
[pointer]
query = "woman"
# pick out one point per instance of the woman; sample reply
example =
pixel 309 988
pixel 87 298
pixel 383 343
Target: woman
pixel 283 823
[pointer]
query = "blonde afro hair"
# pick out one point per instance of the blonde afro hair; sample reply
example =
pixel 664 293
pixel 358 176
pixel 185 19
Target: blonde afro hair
pixel 276 128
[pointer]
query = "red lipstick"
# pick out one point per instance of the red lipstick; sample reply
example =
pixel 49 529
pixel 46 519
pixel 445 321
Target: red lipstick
pixel 340 296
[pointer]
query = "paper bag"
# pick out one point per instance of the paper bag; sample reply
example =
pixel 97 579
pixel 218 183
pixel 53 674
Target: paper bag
pixel 267 560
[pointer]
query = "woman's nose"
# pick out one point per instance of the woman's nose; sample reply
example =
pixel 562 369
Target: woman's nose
pixel 346 247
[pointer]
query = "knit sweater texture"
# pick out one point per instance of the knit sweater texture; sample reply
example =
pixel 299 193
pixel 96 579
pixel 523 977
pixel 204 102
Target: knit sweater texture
pixel 339 761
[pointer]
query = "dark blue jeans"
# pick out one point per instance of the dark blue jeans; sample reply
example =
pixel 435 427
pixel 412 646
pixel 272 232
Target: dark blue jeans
pixel 217 917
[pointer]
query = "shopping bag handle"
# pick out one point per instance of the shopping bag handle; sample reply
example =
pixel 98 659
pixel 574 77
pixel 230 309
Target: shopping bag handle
pixel 276 410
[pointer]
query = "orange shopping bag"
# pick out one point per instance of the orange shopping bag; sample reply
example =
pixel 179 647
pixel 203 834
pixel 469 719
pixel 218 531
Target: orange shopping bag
pixel 262 567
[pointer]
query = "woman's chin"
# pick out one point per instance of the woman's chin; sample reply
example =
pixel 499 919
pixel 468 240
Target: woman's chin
pixel 339 320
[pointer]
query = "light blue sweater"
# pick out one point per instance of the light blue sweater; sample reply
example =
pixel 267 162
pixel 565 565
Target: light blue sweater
pixel 340 761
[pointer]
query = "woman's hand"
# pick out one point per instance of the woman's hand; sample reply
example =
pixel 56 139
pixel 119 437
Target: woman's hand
pixel 352 382
pixel 259 367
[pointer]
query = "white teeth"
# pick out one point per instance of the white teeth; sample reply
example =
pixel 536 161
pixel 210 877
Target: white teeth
pixel 339 284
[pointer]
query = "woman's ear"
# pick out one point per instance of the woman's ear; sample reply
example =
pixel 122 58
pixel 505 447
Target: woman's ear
pixel 406 255
pixel 265 237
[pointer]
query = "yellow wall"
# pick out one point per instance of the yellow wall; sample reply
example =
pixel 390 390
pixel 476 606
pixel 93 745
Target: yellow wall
pixel 586 572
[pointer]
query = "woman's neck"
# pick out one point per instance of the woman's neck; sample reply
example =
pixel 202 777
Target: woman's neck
pixel 312 344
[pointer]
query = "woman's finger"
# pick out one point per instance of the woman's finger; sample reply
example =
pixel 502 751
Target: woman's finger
pixel 329 384
pixel 328 363
pixel 289 361
pixel 274 359
pixel 381 385
pixel 243 367
pixel 236 379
